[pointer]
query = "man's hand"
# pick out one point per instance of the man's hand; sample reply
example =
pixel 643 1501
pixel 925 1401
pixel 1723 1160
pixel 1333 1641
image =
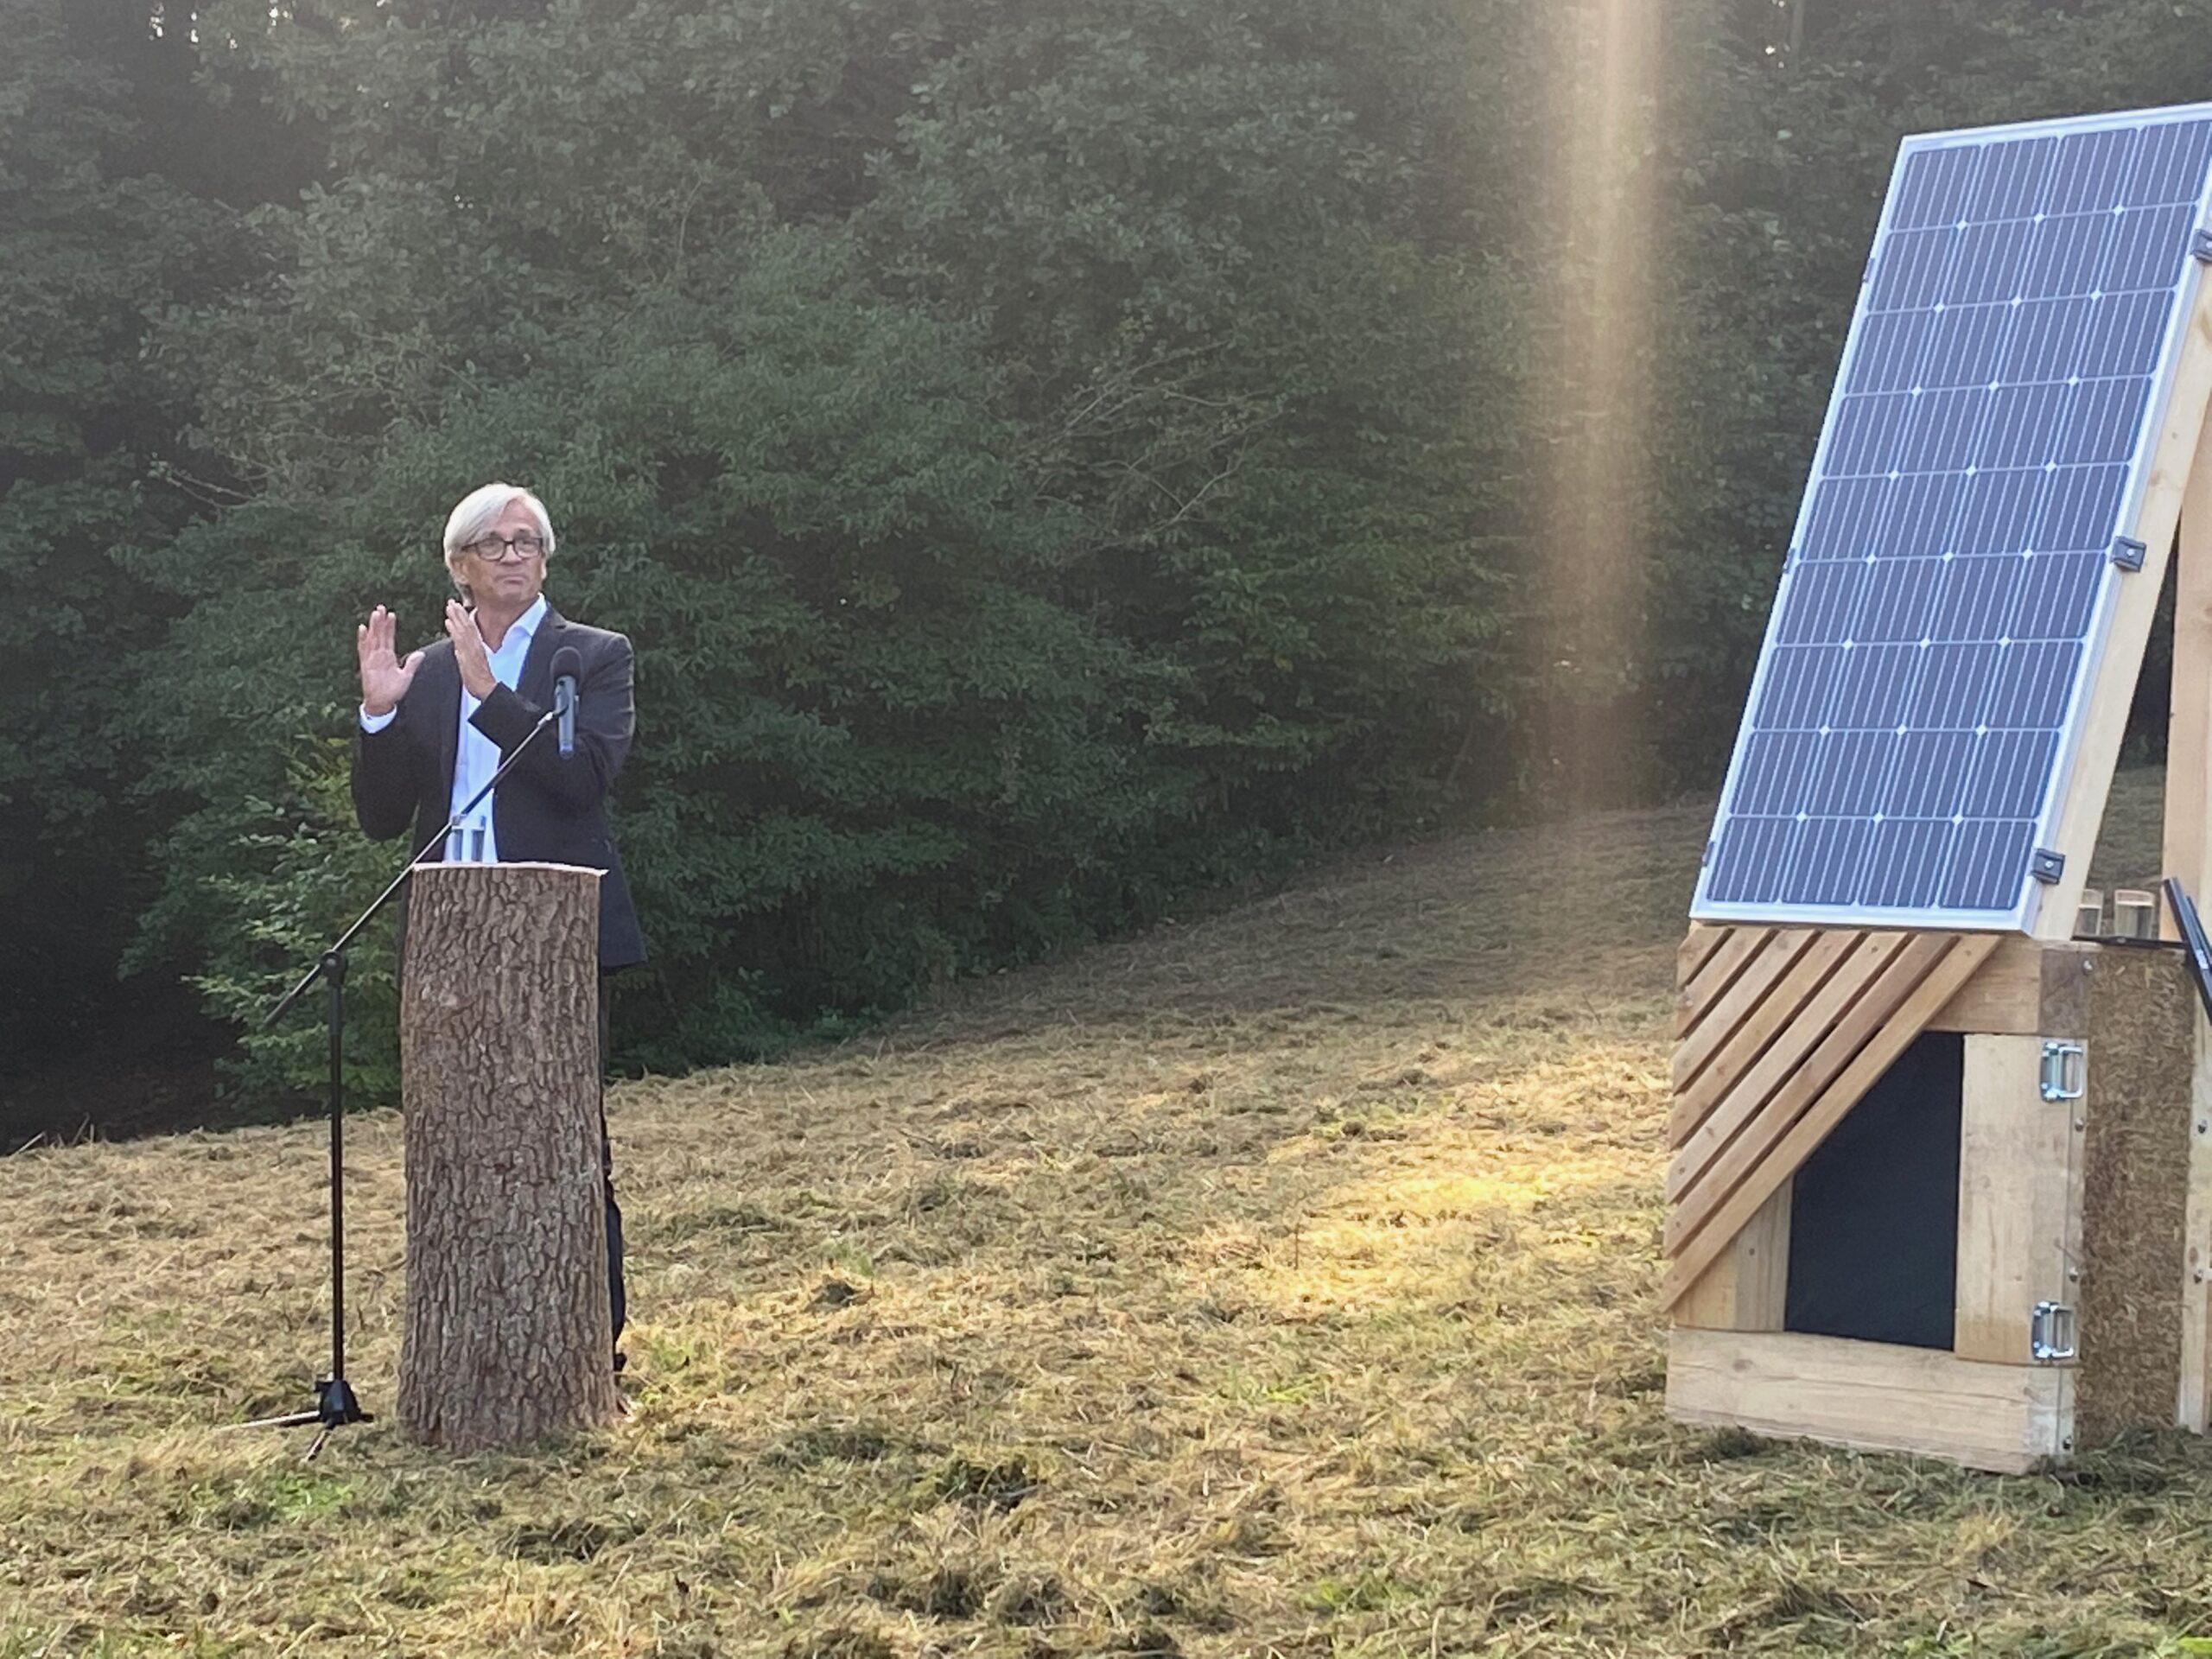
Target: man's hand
pixel 384 678
pixel 468 653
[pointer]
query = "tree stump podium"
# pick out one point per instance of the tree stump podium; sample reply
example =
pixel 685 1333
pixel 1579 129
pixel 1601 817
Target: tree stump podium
pixel 507 1339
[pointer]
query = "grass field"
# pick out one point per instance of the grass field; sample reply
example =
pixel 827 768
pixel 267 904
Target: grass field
pixel 1279 1284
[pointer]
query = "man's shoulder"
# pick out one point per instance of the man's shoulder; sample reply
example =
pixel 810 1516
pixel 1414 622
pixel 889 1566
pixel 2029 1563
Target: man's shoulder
pixel 588 640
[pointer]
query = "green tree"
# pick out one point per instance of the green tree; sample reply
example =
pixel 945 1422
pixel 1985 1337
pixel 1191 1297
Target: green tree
pixel 115 184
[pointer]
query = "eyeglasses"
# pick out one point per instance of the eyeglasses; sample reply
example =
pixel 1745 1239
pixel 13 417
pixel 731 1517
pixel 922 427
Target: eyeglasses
pixel 497 549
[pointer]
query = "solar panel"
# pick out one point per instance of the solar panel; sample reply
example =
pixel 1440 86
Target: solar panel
pixel 1969 513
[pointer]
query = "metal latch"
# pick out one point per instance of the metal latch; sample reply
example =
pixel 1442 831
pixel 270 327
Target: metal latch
pixel 2050 1333
pixel 2065 1069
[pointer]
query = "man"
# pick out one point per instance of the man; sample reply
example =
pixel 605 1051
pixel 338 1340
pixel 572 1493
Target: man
pixel 436 727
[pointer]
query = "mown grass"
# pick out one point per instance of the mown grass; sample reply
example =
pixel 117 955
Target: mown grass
pixel 1282 1284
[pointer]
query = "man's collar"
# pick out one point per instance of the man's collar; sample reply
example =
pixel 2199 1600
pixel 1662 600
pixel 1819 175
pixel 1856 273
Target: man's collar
pixel 524 628
pixel 526 624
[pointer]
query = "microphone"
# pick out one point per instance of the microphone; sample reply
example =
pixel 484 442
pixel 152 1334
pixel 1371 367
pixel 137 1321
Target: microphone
pixel 567 665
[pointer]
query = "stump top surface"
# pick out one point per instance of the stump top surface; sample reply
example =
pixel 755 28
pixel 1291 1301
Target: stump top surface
pixel 513 864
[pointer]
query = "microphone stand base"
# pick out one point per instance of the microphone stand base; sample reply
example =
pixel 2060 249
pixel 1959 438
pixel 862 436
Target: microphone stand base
pixel 335 1407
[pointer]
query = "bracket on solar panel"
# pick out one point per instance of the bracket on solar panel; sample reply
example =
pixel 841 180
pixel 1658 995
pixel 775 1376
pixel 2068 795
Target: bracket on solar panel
pixel 2200 247
pixel 2046 865
pixel 2128 553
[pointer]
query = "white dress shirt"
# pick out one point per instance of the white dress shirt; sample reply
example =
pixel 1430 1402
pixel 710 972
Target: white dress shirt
pixel 476 757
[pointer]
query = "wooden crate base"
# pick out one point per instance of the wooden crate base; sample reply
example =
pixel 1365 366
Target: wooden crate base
pixel 1871 1397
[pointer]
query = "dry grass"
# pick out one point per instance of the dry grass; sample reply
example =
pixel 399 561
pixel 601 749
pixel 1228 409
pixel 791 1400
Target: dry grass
pixel 1278 1285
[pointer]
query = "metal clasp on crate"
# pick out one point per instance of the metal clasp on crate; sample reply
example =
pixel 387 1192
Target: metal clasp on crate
pixel 2050 1333
pixel 2065 1069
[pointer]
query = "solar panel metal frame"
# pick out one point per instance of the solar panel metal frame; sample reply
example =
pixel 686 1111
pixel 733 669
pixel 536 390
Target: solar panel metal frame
pixel 2061 780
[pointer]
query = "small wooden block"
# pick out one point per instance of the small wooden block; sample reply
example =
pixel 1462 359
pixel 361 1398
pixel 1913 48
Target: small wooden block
pixel 2089 920
pixel 2135 914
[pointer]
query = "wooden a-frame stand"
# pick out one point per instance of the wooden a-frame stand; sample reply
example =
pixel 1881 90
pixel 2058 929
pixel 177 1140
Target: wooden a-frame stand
pixel 2082 1301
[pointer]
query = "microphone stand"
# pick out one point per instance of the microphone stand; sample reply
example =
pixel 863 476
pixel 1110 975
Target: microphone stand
pixel 335 1404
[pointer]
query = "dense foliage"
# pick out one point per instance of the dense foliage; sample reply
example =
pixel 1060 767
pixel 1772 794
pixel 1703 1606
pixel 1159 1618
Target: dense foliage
pixel 1051 463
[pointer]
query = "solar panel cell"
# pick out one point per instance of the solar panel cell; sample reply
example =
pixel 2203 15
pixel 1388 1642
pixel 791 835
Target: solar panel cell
pixel 2057 593
pixel 1930 778
pixel 1953 687
pixel 2008 179
pixel 1798 693
pixel 1890 351
pixel 2092 170
pixel 1871 691
pixel 2077 509
pixel 1907 861
pixel 1939 612
pixel 2172 164
pixel 2030 692
pixel 1899 601
pixel 2145 242
pixel 1921 510
pixel 1846 516
pixel 1825 860
pixel 2045 342
pixel 1999 508
pixel 1977 598
pixel 1910 275
pixel 1940 435
pixel 1966 346
pixel 1937 188
pixel 1985 857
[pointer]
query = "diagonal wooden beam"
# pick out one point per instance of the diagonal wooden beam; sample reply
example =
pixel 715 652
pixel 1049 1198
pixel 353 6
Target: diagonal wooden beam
pixel 1709 982
pixel 1746 998
pixel 1706 1171
pixel 1699 944
pixel 1699 1249
pixel 1783 1059
pixel 1773 1021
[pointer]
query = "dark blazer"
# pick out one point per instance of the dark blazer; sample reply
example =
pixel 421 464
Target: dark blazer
pixel 547 809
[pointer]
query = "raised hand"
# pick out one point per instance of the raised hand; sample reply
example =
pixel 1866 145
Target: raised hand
pixel 469 655
pixel 384 678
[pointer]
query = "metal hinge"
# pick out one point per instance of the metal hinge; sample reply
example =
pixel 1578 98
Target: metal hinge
pixel 2050 1333
pixel 2065 1069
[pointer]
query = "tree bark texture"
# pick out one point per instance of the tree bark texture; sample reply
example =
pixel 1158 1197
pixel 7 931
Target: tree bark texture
pixel 507 1339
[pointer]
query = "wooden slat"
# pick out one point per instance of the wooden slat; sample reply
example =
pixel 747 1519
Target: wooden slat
pixel 1710 982
pixel 1693 1104
pixel 2173 465
pixel 1786 1061
pixel 2187 853
pixel 1707 1169
pixel 2018 1184
pixel 1700 942
pixel 1695 1246
pixel 1747 1289
pixel 2193 1402
pixel 1876 1397
pixel 1739 1002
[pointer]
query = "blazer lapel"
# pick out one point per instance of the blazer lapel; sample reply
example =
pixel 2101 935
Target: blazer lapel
pixel 535 683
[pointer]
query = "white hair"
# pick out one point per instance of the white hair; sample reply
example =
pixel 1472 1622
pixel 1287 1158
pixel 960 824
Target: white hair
pixel 478 511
